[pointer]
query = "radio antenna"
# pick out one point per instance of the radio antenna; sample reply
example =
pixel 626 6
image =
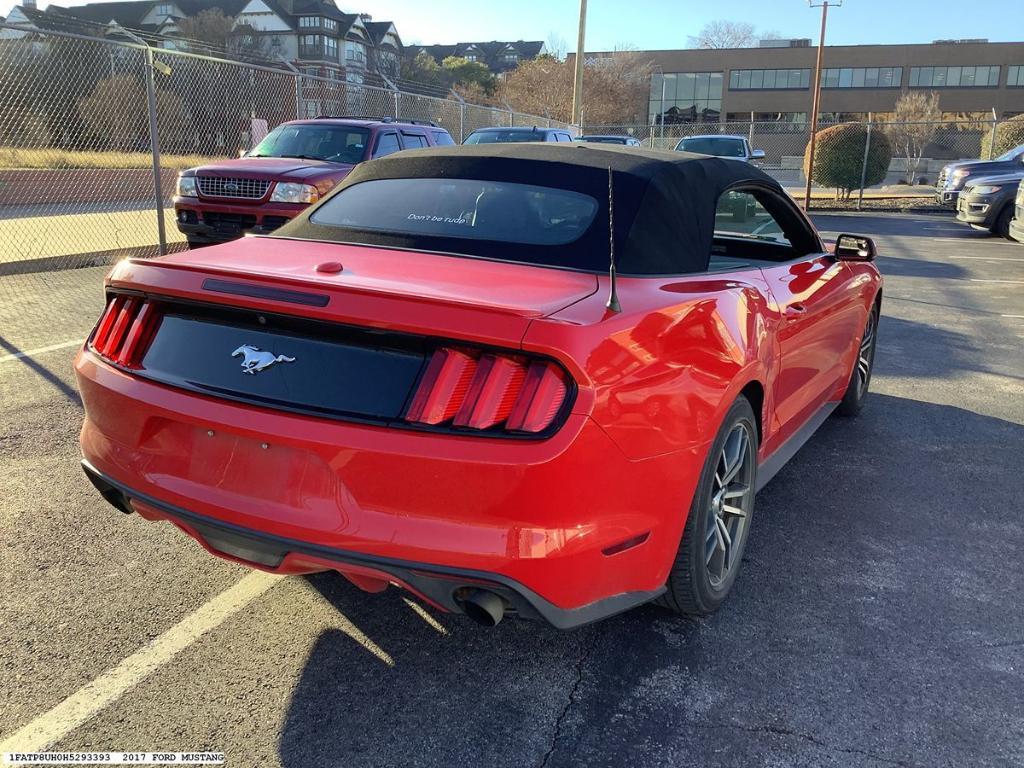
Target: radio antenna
pixel 613 294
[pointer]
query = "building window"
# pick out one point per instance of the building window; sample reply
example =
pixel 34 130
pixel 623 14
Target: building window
pixel 275 41
pixel 509 58
pixel 772 122
pixel 355 52
pixel 768 79
pixel 308 21
pixel 689 97
pixel 470 57
pixel 331 47
pixel 309 41
pixel 311 71
pixel 331 25
pixel 862 77
pixel 1015 76
pixel 954 77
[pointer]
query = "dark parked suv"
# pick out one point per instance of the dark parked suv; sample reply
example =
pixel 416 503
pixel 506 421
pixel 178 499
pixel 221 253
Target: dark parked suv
pixel 954 176
pixel 987 202
pixel 295 165
pixel 506 135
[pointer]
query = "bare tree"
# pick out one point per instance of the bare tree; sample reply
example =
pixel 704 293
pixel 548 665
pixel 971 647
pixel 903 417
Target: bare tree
pixel 556 46
pixel 615 88
pixel 913 125
pixel 727 34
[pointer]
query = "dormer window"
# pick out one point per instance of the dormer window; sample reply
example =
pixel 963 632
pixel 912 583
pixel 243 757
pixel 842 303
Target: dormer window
pixel 509 58
pixel 164 10
pixel 470 57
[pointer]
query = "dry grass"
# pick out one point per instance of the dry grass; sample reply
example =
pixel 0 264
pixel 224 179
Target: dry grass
pixel 17 158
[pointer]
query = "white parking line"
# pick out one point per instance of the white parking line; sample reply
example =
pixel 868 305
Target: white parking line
pixel 987 258
pixel 1012 282
pixel 40 350
pixel 114 683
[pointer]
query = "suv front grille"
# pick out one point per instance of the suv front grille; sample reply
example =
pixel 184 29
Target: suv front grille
pixel 239 189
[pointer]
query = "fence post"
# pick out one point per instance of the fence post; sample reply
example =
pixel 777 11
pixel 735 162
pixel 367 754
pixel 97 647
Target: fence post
pixel 992 139
pixel 154 147
pixel 511 119
pixel 750 138
pixel 462 121
pixel 864 165
pixel 396 106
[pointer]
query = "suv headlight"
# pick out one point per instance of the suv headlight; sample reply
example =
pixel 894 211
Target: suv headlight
pixel 956 177
pixel 187 186
pixel 985 189
pixel 287 192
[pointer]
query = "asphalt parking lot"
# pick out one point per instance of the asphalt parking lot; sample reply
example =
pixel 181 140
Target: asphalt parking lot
pixel 877 621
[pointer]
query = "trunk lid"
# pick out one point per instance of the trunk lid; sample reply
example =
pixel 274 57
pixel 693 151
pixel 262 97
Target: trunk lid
pixel 429 280
pixel 254 320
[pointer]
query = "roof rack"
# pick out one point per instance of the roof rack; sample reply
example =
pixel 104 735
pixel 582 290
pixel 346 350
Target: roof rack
pixel 384 119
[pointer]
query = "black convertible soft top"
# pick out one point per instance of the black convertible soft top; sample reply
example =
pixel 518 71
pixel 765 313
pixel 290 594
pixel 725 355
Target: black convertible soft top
pixel 664 202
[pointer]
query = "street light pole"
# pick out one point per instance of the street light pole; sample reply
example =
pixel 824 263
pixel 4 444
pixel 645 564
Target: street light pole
pixel 816 101
pixel 577 87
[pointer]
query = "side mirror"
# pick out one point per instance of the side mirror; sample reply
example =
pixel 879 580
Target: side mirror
pixel 855 248
pixel 757 154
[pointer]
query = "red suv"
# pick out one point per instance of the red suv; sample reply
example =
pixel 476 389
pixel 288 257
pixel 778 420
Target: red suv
pixel 295 165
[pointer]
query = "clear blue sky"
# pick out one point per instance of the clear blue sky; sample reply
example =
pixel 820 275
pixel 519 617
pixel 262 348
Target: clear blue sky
pixel 652 24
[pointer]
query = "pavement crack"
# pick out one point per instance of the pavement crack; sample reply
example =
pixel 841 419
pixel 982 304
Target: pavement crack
pixel 588 646
pixel 780 731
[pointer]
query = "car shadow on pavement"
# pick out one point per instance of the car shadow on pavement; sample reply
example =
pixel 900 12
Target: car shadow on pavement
pixel 42 371
pixel 870 625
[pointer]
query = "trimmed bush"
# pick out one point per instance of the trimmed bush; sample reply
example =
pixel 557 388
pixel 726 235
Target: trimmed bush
pixel 839 157
pixel 1009 134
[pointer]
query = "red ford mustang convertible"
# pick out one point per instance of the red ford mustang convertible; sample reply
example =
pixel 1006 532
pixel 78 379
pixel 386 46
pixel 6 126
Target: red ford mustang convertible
pixel 542 380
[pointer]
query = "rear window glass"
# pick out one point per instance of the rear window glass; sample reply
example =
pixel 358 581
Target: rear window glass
pixel 501 137
pixel 712 145
pixel 461 208
pixel 443 139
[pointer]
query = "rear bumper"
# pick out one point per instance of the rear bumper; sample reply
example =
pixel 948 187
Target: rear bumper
pixel 437 585
pixel 307 494
pixel 208 222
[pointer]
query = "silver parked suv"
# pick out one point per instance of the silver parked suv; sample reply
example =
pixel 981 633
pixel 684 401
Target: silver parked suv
pixel 721 146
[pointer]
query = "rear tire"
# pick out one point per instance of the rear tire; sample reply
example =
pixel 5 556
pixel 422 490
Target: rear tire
pixel 715 535
pixel 857 390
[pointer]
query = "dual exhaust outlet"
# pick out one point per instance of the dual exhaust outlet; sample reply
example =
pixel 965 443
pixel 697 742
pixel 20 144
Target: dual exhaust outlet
pixel 482 606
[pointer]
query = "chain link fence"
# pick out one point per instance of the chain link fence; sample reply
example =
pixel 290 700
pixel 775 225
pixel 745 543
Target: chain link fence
pixel 919 150
pixel 93 133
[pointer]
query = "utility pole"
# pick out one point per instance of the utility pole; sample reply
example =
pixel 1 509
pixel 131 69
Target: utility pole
pixel 816 101
pixel 577 88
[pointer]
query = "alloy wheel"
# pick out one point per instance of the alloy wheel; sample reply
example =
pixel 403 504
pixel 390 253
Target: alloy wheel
pixel 732 497
pixel 865 355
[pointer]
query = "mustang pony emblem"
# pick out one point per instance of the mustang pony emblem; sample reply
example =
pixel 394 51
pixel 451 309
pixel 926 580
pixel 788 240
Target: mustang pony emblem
pixel 256 359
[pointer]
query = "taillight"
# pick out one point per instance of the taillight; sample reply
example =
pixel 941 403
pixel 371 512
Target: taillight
pixel 488 391
pixel 125 330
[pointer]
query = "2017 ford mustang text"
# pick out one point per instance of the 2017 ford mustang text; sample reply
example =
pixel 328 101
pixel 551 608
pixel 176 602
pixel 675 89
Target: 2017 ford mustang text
pixel 533 379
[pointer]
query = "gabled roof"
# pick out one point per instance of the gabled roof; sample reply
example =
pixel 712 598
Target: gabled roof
pixel 377 30
pixel 131 13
